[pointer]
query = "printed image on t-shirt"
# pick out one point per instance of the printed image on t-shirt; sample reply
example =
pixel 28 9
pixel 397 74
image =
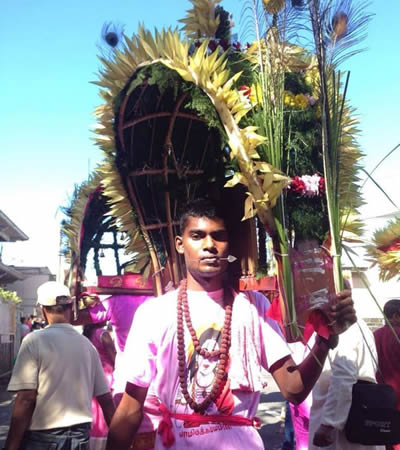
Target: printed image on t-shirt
pixel 202 373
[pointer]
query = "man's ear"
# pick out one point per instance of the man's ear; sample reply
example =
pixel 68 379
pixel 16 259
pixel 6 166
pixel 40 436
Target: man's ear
pixel 44 314
pixel 396 317
pixel 179 244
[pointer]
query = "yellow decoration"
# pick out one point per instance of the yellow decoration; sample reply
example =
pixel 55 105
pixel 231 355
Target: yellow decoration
pixel 295 101
pixel 273 6
pixel 72 229
pixel 288 99
pixel 300 101
pixel 384 251
pixel 210 74
pixel 200 21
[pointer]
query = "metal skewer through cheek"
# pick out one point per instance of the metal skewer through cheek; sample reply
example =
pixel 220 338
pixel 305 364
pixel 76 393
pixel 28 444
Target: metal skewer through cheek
pixel 229 258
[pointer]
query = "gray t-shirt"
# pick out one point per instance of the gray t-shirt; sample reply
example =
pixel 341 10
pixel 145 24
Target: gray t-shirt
pixel 65 369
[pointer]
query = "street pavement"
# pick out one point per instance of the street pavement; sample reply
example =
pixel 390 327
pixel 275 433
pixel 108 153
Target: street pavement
pixel 270 412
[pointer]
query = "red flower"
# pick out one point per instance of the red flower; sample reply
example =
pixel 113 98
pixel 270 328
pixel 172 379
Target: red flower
pixel 245 90
pixel 212 45
pixel 236 46
pixel 224 44
pixel 297 186
pixel 394 246
pixel 321 187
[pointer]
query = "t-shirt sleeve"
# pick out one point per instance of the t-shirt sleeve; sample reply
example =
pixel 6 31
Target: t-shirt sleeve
pixel 138 363
pixel 344 375
pixel 100 312
pixel 100 385
pixel 26 370
pixel 274 346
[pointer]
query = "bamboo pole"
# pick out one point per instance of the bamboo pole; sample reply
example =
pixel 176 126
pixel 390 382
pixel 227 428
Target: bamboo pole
pixel 153 255
pixel 168 148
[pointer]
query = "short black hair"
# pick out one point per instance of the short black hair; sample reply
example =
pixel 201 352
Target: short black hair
pixel 392 307
pixel 22 319
pixel 57 309
pixel 201 207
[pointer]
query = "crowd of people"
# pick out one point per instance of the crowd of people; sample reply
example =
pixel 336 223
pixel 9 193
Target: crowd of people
pixel 184 370
pixel 32 323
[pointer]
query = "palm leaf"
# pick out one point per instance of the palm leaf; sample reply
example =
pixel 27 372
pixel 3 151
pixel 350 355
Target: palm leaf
pixel 369 177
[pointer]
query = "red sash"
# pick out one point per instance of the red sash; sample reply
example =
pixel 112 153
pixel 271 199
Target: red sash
pixel 195 420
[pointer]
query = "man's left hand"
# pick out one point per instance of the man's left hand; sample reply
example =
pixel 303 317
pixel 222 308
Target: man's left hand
pixel 324 436
pixel 342 314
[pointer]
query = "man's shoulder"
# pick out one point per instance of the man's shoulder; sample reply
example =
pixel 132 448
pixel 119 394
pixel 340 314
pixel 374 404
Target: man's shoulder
pixel 257 299
pixel 387 332
pixel 158 304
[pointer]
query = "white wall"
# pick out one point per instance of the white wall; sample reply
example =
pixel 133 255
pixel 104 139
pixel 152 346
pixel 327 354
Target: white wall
pixel 366 305
pixel 26 289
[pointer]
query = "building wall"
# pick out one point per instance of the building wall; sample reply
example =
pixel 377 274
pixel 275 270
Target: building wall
pixel 366 305
pixel 26 289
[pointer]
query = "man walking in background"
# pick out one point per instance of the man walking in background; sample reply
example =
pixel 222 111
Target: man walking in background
pixel 56 374
pixel 387 340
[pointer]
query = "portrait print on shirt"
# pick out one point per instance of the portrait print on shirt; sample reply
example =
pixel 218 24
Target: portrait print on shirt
pixel 201 374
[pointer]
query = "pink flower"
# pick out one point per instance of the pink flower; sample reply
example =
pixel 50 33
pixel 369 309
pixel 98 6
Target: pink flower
pixel 312 185
pixel 311 99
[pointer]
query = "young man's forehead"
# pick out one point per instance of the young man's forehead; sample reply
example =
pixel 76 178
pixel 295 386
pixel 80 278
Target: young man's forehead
pixel 200 223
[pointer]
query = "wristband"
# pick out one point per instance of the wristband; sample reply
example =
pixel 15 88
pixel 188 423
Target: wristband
pixel 331 342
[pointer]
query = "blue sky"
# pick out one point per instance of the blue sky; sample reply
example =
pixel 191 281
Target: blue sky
pixel 48 52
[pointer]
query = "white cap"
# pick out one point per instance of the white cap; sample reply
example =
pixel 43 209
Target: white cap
pixel 53 293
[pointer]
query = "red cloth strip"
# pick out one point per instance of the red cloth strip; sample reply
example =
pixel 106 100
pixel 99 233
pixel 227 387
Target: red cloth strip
pixel 194 420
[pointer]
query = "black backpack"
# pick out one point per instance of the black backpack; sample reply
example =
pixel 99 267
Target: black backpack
pixel 373 418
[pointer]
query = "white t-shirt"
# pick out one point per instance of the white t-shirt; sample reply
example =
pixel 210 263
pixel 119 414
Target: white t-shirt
pixel 65 369
pixel 151 357
pixel 350 361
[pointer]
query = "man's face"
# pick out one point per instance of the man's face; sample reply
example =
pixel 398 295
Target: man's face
pixel 203 244
pixel 395 320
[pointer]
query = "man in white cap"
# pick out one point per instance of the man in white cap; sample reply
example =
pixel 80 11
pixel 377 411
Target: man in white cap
pixel 56 374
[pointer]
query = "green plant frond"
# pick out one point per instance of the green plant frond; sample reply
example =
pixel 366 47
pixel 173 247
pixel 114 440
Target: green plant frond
pixel 253 21
pixel 380 188
pixel 370 173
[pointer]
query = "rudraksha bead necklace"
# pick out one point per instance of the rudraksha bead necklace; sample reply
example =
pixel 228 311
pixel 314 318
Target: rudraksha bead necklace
pixel 221 353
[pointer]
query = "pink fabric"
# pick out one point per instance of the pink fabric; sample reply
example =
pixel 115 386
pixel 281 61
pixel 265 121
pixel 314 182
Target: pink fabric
pixel 152 347
pixel 388 349
pixel 301 419
pixel 245 371
pixel 104 357
pixel 99 427
pixel 119 310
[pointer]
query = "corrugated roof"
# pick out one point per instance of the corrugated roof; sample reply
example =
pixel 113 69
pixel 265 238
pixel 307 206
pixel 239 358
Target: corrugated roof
pixel 9 232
